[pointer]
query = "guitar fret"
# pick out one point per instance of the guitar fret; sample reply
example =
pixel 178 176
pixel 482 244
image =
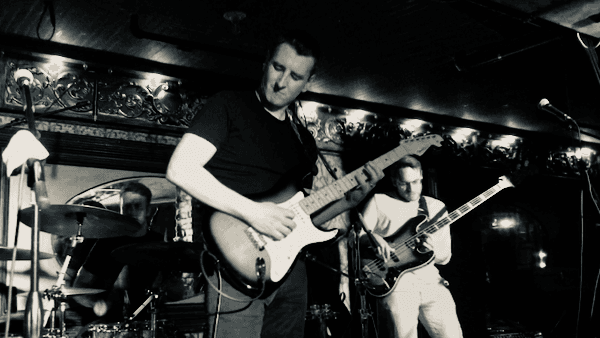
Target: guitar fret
pixel 464 209
pixel 476 201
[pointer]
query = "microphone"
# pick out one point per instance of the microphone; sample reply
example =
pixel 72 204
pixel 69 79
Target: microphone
pixel 24 78
pixel 546 106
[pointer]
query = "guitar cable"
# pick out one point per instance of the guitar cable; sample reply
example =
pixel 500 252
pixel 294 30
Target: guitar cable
pixel 260 272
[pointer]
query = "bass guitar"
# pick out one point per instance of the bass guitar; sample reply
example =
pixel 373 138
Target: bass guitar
pixel 254 263
pixel 382 276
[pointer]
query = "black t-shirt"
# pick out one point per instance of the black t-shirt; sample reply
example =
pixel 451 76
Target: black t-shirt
pixel 101 263
pixel 255 151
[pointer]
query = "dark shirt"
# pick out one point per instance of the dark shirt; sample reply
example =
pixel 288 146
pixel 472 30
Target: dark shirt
pixel 255 150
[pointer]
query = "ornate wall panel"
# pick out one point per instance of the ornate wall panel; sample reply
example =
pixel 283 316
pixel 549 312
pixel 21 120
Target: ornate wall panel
pixel 84 95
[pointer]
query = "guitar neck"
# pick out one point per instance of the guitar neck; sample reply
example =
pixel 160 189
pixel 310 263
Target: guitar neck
pixel 336 190
pixel 463 210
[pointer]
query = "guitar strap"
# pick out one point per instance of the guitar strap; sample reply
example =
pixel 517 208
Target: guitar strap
pixel 423 207
pixel 293 119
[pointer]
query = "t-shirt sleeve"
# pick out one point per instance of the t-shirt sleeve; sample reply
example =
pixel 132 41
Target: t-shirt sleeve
pixel 210 122
pixel 376 220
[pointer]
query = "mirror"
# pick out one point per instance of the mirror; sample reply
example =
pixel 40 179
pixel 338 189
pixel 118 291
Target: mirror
pixel 107 195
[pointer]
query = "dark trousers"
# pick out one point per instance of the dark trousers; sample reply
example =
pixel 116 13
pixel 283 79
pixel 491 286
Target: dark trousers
pixel 282 314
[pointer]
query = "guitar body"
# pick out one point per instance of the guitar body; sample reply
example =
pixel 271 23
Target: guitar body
pixel 238 247
pixel 382 276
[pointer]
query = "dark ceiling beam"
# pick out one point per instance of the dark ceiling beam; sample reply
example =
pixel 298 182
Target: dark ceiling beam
pixel 525 32
pixel 188 45
pixel 502 51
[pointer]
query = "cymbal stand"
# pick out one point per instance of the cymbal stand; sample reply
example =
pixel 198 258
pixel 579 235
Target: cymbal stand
pixel 33 308
pixel 60 306
pixel 152 301
pixel 74 241
pixel 56 293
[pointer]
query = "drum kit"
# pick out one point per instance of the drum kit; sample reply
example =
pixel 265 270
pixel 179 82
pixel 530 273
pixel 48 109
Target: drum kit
pixel 81 221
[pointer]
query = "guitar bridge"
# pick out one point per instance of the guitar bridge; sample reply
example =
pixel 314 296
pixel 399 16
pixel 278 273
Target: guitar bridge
pixel 256 238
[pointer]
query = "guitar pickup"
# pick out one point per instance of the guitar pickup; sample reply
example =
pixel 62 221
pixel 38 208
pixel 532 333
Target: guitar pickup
pixel 256 238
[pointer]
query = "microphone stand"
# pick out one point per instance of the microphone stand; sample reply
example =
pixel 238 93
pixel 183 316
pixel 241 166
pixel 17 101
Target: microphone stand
pixel 33 308
pixel 359 281
pixel 32 324
pixel 355 254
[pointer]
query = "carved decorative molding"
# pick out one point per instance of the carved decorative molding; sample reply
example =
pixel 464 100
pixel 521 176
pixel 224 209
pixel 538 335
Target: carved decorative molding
pixel 153 101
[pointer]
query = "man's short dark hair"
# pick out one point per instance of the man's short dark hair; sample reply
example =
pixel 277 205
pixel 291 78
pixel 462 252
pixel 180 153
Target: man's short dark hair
pixel 303 42
pixel 137 188
pixel 407 161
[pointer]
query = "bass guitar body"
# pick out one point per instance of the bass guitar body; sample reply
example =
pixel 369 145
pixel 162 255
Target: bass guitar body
pixel 381 275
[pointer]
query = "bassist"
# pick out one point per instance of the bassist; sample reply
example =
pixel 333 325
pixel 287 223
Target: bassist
pixel 420 294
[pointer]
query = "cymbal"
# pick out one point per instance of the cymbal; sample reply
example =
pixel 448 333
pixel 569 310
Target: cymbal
pixel 19 315
pixel 63 219
pixel 67 291
pixel 171 256
pixel 22 254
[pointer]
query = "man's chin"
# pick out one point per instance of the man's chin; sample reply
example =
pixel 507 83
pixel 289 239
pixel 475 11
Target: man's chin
pixel 273 106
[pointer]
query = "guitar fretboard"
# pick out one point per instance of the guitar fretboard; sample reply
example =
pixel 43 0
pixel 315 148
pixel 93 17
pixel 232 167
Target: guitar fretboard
pixel 466 208
pixel 336 190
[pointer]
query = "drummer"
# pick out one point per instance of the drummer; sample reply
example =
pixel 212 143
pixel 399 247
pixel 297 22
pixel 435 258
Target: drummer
pixel 126 285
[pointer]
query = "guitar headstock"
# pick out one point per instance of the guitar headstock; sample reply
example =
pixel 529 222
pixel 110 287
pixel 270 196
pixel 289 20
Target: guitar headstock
pixel 504 182
pixel 419 145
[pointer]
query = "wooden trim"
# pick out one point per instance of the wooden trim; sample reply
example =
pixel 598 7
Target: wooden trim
pixel 96 152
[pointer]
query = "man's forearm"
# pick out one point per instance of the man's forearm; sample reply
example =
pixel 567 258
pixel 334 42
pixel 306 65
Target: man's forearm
pixel 206 188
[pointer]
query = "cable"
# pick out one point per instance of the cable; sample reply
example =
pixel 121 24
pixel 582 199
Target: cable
pixel 583 44
pixel 48 6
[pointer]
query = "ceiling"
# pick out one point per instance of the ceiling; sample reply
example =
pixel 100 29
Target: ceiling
pixel 473 61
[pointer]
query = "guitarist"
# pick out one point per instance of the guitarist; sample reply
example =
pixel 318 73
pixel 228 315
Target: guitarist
pixel 238 148
pixel 420 294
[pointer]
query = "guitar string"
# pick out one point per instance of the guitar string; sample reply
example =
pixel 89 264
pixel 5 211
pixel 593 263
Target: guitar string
pixel 443 222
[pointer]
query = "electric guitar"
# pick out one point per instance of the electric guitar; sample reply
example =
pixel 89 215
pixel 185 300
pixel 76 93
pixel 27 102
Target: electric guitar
pixel 254 263
pixel 382 276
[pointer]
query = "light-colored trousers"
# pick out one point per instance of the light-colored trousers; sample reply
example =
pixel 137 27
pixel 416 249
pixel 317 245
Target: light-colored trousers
pixel 414 300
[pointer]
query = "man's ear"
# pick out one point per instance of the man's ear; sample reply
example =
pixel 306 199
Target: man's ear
pixel 308 83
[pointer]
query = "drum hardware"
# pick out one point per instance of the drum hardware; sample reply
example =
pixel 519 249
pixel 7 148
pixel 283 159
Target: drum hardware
pixel 322 313
pixel 60 306
pixel 152 300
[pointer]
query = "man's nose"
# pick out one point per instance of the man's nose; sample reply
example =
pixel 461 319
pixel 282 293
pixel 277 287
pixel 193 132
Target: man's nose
pixel 282 80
